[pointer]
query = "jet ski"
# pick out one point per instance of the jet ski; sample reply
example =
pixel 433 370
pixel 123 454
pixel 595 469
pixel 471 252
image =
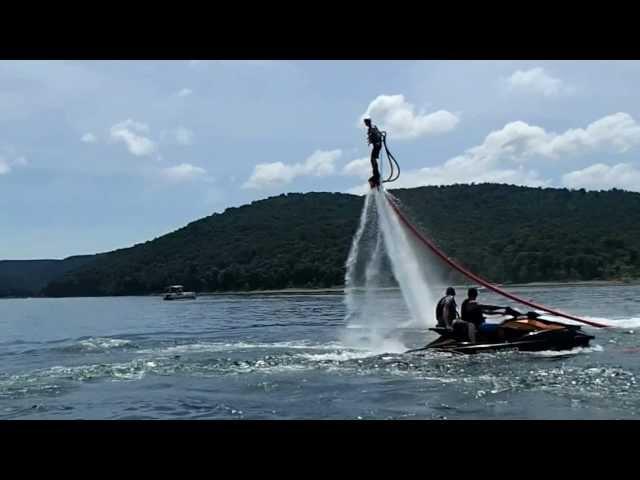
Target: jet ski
pixel 525 332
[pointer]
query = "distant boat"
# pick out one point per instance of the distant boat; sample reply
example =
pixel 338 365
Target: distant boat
pixel 176 292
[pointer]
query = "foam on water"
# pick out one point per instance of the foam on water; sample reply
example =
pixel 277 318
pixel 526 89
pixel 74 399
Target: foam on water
pixel 212 347
pixel 563 353
pixel 100 343
pixel 625 323
pixel 338 356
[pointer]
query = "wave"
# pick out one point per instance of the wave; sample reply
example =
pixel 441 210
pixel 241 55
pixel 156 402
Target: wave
pixel 97 344
pixel 205 347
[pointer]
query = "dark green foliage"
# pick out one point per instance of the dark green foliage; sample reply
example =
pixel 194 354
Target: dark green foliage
pixel 292 240
pixel 25 278
pixel 503 233
pixel 517 234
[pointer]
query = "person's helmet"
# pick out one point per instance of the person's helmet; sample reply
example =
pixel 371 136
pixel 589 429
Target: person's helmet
pixel 451 291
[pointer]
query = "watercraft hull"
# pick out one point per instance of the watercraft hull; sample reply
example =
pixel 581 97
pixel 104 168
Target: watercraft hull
pixel 179 297
pixel 519 334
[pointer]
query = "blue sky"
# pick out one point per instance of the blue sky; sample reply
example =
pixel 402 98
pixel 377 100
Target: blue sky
pixel 98 155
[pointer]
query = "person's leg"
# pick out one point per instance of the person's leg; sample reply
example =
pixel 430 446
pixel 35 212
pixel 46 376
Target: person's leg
pixel 375 153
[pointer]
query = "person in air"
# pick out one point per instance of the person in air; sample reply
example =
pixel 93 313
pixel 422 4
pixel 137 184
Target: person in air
pixel 447 310
pixel 472 315
pixel 374 136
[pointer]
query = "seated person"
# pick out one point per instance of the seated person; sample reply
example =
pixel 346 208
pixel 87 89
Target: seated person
pixel 471 313
pixel 446 309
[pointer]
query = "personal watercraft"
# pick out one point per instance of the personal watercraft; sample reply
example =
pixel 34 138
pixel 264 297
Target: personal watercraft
pixel 524 332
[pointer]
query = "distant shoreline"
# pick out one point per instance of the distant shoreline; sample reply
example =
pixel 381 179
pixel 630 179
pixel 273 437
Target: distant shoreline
pixel 340 290
pixel 301 291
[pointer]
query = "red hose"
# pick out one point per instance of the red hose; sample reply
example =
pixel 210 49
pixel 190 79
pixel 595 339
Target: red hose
pixel 476 278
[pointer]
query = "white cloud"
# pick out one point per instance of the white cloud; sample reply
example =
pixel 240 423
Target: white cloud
pixel 4 167
pixel 518 142
pixel 321 163
pixel 502 157
pixel 360 167
pixel 89 138
pixel 128 132
pixel 185 92
pixel 604 177
pixel 395 115
pixel 183 172
pixel 618 132
pixel 184 136
pixel 537 81
pixel 448 175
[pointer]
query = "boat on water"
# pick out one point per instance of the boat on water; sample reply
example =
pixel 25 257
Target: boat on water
pixel 524 332
pixel 176 292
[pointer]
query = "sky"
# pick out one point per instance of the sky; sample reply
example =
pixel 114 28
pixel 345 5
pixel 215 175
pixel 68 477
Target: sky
pixel 99 155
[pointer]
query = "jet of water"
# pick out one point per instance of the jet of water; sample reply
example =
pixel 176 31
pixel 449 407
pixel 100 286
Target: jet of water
pixel 380 236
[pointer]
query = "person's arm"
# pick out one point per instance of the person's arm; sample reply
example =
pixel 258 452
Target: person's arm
pixel 489 308
pixel 493 309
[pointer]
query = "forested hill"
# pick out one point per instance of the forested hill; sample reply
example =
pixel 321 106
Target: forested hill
pixel 294 240
pixel 505 233
pixel 25 278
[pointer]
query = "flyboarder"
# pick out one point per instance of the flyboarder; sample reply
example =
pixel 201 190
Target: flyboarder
pixel 374 136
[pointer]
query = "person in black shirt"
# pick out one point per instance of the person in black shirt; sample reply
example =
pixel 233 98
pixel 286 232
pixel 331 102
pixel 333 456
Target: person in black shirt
pixel 374 136
pixel 471 313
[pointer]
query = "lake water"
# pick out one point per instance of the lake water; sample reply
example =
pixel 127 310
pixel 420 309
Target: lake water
pixel 283 356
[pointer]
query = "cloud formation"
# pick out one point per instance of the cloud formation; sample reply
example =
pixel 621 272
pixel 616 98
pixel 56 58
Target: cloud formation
pixel 265 175
pixel 130 132
pixel 537 81
pixel 519 141
pixel 397 116
pixel 507 156
pixel 6 165
pixel 604 177
pixel 89 138
pixel 360 167
pixel 184 172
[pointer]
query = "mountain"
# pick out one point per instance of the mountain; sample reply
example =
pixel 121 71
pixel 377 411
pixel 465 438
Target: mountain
pixel 504 233
pixel 294 240
pixel 26 278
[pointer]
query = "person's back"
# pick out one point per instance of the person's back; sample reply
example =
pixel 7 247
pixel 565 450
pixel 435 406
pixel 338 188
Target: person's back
pixel 374 136
pixel 446 309
pixel 471 311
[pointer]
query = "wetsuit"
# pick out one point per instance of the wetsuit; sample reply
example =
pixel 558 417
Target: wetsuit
pixel 375 138
pixel 446 311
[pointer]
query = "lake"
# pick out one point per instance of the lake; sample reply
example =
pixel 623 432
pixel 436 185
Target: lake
pixel 292 356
